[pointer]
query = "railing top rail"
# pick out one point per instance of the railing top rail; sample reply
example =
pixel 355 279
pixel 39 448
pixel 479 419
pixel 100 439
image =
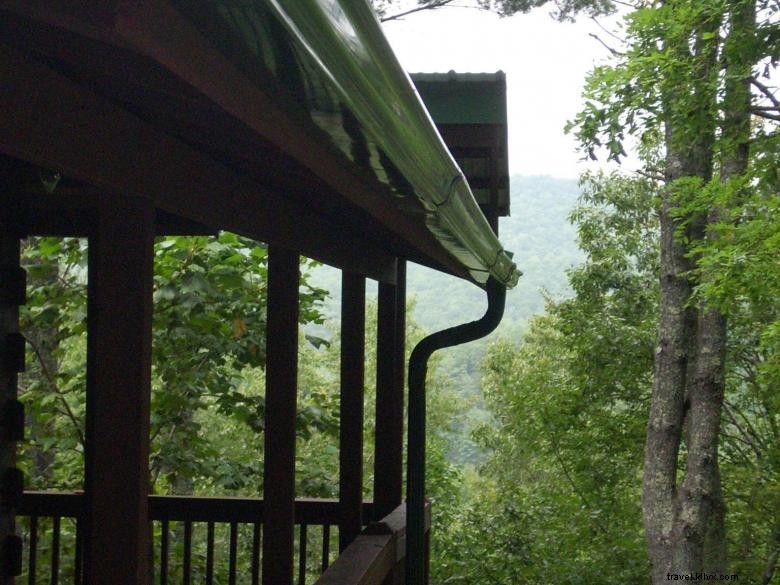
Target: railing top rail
pixel 373 554
pixel 314 511
pixel 63 504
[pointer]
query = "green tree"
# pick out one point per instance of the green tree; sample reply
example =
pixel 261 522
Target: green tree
pixel 558 499
pixel 208 327
pixel 683 88
pixel 389 10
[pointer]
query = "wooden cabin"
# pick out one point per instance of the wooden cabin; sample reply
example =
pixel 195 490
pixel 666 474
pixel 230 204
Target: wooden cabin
pixel 286 121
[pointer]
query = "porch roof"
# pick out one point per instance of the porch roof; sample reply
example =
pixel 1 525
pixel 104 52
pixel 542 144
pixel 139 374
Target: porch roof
pixel 304 98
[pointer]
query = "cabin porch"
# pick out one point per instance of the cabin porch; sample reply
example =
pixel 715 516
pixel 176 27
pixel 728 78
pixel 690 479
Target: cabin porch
pixel 160 118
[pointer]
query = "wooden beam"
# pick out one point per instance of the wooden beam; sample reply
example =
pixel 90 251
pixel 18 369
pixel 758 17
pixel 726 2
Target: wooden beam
pixel 366 562
pixel 400 329
pixel 472 136
pixel 311 511
pixel 116 546
pixel 90 139
pixel 353 342
pixel 12 283
pixel 281 373
pixel 160 31
pixel 73 213
pixel 388 443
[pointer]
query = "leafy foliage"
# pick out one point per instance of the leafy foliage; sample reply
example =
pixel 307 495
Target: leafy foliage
pixel 208 331
pixel 564 9
pixel 560 490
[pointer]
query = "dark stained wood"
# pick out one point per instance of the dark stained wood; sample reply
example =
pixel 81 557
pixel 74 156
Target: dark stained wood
pixel 72 213
pixel 472 135
pixel 399 348
pixel 32 557
pixel 365 562
pixel 187 563
pixel 178 109
pixel 10 284
pixel 64 504
pixel 388 444
pixel 281 401
pixel 312 511
pixel 303 542
pixel 118 393
pixel 353 343
pixel 84 16
pixel 233 554
pixel 164 539
pixel 256 544
pixel 56 525
pixel 95 141
pixel 159 34
pixel 325 556
pixel 210 553
pixel 158 30
pixel 377 555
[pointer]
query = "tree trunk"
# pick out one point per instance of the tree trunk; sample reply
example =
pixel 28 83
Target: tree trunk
pixel 665 424
pixel 709 385
pixel 689 120
pixel 685 527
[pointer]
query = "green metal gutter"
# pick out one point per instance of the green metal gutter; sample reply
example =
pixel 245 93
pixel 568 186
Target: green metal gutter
pixel 337 64
pixel 345 39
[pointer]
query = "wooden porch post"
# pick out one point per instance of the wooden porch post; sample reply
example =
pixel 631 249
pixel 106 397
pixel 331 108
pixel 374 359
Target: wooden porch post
pixel 116 544
pixel 12 294
pixel 388 447
pixel 353 340
pixel 281 372
pixel 400 333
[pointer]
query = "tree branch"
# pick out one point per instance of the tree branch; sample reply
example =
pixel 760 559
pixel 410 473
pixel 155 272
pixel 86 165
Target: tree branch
pixel 614 52
pixel 430 6
pixel 56 389
pixel 766 91
pixel 596 521
pixel 764 114
pixel 606 30
pixel 650 175
pixel 752 438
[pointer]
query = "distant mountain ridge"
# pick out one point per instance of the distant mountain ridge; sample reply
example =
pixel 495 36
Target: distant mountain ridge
pixel 544 246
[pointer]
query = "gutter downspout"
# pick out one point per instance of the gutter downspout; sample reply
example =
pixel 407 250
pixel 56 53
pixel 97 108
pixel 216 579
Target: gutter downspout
pixel 418 368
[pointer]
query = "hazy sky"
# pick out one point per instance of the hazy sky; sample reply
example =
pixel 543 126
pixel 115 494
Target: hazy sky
pixel 545 63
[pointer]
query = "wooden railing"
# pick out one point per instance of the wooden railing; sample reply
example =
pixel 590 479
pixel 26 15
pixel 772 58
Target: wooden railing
pixel 376 557
pixel 194 539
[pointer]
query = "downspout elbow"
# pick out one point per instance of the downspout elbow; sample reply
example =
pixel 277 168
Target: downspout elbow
pixel 418 368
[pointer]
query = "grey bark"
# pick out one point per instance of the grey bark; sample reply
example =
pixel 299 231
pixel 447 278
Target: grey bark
pixel 685 524
pixel 689 139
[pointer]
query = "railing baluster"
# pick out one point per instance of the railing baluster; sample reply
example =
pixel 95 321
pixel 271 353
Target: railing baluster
pixel 302 555
pixel 33 559
pixel 256 554
pixel 325 547
pixel 152 553
pixel 187 564
pixel 210 554
pixel 55 550
pixel 233 553
pixel 78 554
pixel 164 554
pixel 164 549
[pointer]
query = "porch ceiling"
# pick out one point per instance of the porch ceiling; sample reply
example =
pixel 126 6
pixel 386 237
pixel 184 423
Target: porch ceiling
pixel 138 98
